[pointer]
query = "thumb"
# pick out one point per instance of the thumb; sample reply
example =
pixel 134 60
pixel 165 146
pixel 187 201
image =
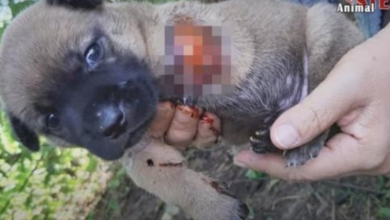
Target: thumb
pixel 333 98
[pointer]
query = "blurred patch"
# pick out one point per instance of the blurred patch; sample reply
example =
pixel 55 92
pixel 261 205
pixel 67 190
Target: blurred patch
pixel 197 59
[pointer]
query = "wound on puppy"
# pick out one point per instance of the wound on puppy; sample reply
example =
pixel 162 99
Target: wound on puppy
pixel 171 164
pixel 150 162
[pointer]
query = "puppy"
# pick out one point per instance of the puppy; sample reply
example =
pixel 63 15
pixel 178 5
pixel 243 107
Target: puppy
pixel 90 74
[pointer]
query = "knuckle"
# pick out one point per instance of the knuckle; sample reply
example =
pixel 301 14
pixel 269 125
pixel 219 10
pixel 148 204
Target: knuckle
pixel 316 115
pixel 313 119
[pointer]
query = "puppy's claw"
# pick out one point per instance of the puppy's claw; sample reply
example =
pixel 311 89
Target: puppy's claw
pixel 259 142
pixel 291 164
pixel 229 208
pixel 253 140
pixel 187 100
pixel 242 212
pixel 258 149
pixel 217 204
pixel 312 156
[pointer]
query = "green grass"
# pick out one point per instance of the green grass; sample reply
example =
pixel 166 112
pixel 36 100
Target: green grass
pixel 53 182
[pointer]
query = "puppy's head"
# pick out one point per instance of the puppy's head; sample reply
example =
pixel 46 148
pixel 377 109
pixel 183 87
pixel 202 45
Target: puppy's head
pixel 74 71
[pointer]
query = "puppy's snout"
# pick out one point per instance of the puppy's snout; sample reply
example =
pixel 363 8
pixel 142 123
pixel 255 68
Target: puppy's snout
pixel 107 120
pixel 111 121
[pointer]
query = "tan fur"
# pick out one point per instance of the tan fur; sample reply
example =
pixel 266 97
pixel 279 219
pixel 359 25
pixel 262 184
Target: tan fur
pixel 256 28
pixel 161 169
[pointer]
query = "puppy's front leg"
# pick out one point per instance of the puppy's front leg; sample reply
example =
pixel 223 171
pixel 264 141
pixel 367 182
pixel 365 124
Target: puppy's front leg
pixel 161 170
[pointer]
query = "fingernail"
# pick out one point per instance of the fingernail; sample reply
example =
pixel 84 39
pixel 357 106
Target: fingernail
pixel 191 111
pixel 207 119
pixel 286 135
pixel 183 109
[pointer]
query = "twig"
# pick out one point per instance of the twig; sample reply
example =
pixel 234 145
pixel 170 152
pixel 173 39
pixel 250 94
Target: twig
pixel 287 198
pixel 333 205
pixel 350 186
pixel 246 180
pixel 323 202
pixel 368 209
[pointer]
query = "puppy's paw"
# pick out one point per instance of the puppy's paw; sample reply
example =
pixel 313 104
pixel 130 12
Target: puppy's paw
pixel 299 156
pixel 260 142
pixel 242 211
pixel 230 208
pixel 219 205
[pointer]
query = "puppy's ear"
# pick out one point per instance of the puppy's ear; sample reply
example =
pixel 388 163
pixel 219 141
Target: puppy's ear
pixel 24 134
pixel 78 4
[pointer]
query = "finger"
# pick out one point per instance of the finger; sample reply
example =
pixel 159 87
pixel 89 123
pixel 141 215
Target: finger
pixel 209 128
pixel 323 107
pixel 183 127
pixel 162 120
pixel 339 158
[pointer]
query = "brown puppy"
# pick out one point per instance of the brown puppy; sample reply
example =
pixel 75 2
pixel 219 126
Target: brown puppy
pixel 90 74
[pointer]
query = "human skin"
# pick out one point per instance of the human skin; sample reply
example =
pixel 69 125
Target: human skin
pixel 356 96
pixel 182 126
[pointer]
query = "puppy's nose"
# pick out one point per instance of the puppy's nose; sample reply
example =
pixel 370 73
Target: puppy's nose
pixel 107 120
pixel 111 121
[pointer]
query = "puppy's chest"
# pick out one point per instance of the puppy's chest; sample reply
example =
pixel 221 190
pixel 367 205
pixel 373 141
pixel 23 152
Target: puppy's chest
pixel 197 61
pixel 205 64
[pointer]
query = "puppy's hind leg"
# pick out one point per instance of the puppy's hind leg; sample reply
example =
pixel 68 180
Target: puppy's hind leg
pixel 299 156
pixel 160 169
pixel 329 35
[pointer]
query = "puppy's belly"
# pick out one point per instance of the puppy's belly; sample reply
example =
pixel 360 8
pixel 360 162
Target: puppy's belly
pixel 278 83
pixel 255 108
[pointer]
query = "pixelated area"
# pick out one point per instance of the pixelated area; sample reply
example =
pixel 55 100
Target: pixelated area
pixel 197 61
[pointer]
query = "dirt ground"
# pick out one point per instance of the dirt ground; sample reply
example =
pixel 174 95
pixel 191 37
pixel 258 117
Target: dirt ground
pixel 351 198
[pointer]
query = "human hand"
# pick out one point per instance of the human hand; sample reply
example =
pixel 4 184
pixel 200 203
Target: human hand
pixel 183 125
pixel 356 96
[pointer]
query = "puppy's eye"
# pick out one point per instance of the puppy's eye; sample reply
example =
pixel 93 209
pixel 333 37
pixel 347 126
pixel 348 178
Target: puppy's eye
pixel 52 122
pixel 93 55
